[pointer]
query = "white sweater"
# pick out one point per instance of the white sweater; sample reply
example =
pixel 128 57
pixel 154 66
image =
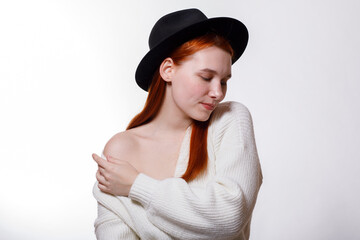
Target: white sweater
pixel 217 205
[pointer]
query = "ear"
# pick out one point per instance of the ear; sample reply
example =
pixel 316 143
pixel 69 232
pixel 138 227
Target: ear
pixel 167 69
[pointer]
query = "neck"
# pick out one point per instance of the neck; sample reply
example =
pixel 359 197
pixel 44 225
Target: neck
pixel 170 117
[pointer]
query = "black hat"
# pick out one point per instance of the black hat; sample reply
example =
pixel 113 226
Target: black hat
pixel 176 28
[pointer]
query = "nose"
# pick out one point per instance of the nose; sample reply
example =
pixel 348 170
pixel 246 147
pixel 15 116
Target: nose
pixel 216 92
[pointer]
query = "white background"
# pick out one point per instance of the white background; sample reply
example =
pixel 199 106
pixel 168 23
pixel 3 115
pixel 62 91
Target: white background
pixel 67 85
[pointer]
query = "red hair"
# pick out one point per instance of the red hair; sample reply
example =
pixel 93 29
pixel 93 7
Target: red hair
pixel 198 142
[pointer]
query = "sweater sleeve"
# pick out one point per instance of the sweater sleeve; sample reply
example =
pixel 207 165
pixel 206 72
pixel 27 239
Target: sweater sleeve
pixel 222 208
pixel 109 226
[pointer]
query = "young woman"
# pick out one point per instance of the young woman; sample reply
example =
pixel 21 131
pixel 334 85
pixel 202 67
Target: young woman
pixel 187 166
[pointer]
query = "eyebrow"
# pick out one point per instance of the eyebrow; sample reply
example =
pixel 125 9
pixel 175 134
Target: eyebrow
pixel 208 70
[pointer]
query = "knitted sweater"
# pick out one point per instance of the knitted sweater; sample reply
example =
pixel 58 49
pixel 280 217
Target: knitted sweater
pixel 216 205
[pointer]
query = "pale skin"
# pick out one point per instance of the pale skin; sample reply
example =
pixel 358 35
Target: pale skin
pixel 194 89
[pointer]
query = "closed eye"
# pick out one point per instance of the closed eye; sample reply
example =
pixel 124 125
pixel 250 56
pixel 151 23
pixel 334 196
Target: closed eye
pixel 206 78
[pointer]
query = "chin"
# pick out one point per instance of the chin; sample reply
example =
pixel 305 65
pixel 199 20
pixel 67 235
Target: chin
pixel 201 117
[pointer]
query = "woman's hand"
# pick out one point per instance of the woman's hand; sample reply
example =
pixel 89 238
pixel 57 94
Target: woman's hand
pixel 115 176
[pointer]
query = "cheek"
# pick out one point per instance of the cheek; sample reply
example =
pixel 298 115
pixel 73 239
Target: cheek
pixel 194 90
pixel 199 89
pixel 188 87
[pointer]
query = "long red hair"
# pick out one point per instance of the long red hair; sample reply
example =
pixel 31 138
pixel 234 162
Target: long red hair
pixel 198 142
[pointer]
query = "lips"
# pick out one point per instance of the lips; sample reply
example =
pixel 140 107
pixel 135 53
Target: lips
pixel 208 106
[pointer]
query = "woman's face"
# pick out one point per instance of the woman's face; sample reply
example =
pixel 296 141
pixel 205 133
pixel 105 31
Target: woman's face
pixel 198 84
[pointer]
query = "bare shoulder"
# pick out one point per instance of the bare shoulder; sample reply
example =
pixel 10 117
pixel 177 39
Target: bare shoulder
pixel 120 145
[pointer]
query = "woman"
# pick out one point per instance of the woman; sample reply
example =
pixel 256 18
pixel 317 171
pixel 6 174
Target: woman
pixel 186 167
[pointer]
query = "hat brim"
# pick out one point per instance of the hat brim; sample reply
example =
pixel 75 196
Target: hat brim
pixel 231 29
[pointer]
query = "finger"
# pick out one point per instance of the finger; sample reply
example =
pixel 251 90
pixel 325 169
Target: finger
pixel 101 179
pixel 100 161
pixel 117 161
pixel 101 168
pixel 102 172
pixel 102 187
pixel 114 160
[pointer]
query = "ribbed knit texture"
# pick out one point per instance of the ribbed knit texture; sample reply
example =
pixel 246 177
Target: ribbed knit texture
pixel 216 205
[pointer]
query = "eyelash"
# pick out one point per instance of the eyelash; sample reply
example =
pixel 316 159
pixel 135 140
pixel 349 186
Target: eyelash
pixel 208 79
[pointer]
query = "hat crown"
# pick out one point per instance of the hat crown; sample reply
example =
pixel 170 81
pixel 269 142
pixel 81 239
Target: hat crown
pixel 174 22
pixel 174 29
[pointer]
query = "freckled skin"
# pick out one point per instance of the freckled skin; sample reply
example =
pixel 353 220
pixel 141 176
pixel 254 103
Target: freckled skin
pixel 201 79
